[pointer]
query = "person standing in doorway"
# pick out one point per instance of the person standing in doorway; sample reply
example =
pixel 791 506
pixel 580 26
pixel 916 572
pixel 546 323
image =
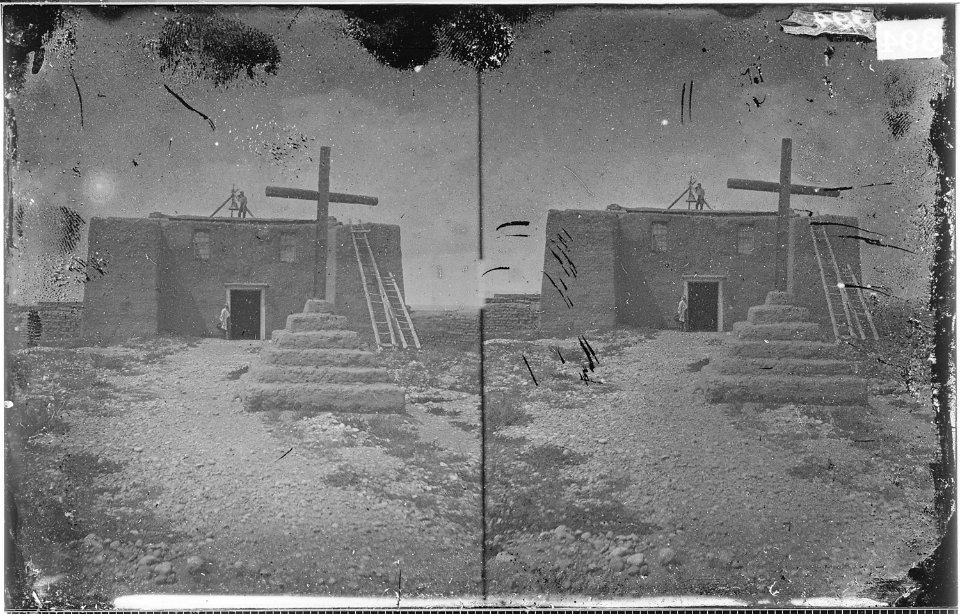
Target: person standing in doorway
pixel 682 313
pixel 224 322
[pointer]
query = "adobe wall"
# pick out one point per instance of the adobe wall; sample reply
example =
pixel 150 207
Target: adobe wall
pixel 591 244
pixel 344 285
pixel 192 290
pixel 59 322
pixel 511 316
pixel 123 302
pixel 448 329
pixel 650 283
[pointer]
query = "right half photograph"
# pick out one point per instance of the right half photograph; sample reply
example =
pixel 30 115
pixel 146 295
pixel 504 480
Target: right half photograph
pixel 718 291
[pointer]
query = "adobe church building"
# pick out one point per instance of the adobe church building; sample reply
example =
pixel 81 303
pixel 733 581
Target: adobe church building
pixel 173 274
pixel 629 267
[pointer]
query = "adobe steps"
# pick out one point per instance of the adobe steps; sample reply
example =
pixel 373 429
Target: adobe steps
pixel 316 365
pixel 777 358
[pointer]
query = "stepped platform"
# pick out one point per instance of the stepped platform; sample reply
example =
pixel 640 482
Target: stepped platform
pixel 776 357
pixel 316 365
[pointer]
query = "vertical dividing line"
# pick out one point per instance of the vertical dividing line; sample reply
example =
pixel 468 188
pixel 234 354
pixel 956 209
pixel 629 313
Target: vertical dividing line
pixel 480 160
pixel 483 413
pixel 483 470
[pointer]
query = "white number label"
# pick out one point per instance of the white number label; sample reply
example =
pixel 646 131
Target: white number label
pixel 913 39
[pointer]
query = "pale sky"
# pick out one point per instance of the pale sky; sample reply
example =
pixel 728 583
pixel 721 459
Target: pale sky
pixel 585 112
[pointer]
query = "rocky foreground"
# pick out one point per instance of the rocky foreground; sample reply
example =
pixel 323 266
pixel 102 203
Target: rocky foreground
pixel 614 476
pixel 137 470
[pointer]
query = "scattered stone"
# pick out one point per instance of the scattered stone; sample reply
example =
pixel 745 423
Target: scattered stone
pixel 636 560
pixel 194 563
pixel 147 561
pixel 619 552
pixel 667 556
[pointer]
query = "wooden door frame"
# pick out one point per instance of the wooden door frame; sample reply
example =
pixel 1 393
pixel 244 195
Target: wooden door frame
pixel 717 279
pixel 263 302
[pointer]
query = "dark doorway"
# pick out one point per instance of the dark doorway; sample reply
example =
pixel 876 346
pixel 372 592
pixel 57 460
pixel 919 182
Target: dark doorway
pixel 245 314
pixel 703 299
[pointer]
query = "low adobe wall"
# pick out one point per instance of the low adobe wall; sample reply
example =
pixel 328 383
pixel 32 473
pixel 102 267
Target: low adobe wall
pixel 511 316
pixel 459 329
pixel 52 323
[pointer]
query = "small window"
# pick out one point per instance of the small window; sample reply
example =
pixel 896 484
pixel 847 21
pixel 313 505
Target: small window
pixel 288 248
pixel 201 243
pixel 745 240
pixel 659 236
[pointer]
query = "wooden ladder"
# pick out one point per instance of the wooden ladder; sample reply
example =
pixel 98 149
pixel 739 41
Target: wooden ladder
pixel 833 288
pixel 378 304
pixel 398 306
pixel 860 308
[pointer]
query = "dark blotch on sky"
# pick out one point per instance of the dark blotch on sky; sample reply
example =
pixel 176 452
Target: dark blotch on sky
pixel 407 37
pixel 215 47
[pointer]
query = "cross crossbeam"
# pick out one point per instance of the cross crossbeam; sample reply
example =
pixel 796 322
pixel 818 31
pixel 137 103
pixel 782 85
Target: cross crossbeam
pixel 784 188
pixel 335 197
pixel 323 197
pixel 772 186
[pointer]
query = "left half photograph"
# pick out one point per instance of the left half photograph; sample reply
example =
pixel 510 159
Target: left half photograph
pixel 241 310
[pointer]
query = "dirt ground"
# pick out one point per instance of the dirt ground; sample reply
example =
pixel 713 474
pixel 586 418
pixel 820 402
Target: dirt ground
pixel 632 485
pixel 149 477
pixel 136 470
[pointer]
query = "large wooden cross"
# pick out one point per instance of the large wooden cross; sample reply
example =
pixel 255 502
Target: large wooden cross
pixel 785 189
pixel 323 196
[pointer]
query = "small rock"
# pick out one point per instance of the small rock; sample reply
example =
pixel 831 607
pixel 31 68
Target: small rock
pixel 667 556
pixel 636 560
pixel 115 544
pixel 194 563
pixel 585 536
pixel 617 565
pixel 138 449
pixel 147 561
pixel 619 552
pixel 164 568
